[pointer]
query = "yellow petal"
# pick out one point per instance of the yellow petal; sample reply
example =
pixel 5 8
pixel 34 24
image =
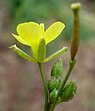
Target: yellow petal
pixel 20 39
pixel 34 49
pixel 30 32
pixel 53 31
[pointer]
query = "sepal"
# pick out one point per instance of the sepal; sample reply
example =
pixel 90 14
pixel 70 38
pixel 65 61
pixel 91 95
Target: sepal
pixel 56 54
pixel 22 54
pixel 41 50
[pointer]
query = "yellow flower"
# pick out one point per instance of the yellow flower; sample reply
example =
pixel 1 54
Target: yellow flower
pixel 32 34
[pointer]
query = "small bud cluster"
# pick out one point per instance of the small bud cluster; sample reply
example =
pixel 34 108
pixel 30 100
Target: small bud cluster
pixel 67 93
pixel 55 80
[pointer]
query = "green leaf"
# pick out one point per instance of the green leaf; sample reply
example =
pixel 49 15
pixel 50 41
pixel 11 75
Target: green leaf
pixel 22 54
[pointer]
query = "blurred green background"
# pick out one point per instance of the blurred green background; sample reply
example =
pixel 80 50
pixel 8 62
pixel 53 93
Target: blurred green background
pixel 20 82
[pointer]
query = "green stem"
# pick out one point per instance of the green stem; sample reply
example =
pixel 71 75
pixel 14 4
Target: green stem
pixel 71 65
pixel 45 86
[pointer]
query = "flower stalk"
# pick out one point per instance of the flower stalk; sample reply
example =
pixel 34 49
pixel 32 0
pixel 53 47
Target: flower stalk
pixel 45 86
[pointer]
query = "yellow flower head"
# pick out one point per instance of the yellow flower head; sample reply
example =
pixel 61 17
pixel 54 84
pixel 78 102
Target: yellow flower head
pixel 31 34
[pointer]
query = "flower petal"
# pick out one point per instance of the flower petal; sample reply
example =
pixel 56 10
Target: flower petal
pixel 20 39
pixel 34 49
pixel 53 31
pixel 30 32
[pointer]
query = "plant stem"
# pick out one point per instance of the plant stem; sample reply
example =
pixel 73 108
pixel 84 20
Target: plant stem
pixel 71 65
pixel 45 86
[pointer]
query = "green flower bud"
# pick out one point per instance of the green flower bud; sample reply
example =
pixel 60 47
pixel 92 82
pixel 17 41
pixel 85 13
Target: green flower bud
pixel 54 83
pixel 68 92
pixel 53 95
pixel 57 68
pixel 76 30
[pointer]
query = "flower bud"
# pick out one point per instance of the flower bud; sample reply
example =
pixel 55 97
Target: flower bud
pixel 57 68
pixel 76 30
pixel 54 83
pixel 68 92
pixel 53 95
